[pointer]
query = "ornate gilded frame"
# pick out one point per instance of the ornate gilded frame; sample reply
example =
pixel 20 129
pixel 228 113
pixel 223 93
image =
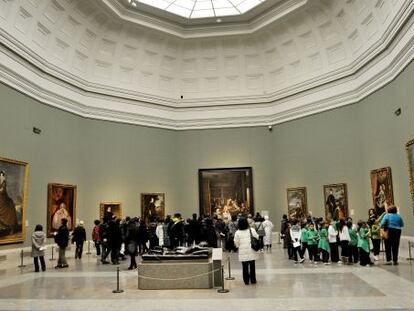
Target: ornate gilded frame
pixel 20 237
pixel 344 188
pixel 112 204
pixel 409 145
pixel 304 202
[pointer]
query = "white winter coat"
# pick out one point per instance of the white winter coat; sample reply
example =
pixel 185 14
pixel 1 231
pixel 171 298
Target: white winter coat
pixel 242 241
pixel 159 232
pixel 268 227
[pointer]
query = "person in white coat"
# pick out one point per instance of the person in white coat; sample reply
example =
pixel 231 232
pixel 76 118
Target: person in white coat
pixel 247 256
pixel 268 227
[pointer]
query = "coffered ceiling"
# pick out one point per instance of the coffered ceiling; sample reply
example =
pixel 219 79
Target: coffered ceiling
pixel 107 60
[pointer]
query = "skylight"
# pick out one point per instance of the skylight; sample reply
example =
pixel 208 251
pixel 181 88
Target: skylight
pixel 201 8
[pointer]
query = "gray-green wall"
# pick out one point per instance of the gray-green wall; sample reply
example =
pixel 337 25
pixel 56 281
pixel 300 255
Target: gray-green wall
pixel 116 162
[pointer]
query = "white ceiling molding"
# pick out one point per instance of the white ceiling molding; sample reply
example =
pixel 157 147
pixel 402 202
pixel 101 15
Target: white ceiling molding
pixel 28 63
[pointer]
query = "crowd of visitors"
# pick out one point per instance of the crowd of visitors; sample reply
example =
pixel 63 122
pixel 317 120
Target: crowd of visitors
pixel 322 238
pixel 327 241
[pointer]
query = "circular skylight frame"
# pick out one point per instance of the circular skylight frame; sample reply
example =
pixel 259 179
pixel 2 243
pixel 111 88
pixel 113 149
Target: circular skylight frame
pixel 198 9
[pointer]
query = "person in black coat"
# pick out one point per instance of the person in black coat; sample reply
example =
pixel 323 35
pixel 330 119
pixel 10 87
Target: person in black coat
pixel 131 241
pixel 115 239
pixel 79 237
pixel 103 234
pixel 208 232
pixel 62 240
pixel 177 231
pixel 152 237
pixel 142 237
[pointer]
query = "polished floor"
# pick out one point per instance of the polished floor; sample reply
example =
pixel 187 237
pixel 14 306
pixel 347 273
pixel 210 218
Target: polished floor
pixel 282 285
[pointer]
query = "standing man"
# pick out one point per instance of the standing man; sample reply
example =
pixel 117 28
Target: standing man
pixel 62 240
pixel 79 237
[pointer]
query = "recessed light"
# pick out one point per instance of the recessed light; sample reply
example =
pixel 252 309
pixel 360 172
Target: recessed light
pixel 218 20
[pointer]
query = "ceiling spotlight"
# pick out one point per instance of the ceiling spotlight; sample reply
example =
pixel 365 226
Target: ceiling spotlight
pixel 134 4
pixel 218 20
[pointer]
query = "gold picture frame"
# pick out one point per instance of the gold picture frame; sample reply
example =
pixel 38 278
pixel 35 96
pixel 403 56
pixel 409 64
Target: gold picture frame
pixel 336 201
pixel 116 209
pixel 14 177
pixel 152 204
pixel 381 189
pixel 61 203
pixel 297 203
pixel 409 147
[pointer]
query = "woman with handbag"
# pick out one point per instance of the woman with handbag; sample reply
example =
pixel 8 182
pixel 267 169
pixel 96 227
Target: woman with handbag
pixel 38 248
pixel 243 241
pixel 392 223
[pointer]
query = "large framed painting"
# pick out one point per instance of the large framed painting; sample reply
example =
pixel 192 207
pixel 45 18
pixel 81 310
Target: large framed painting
pixel 109 209
pixel 61 204
pixel 13 194
pixel 297 203
pixel 336 201
pixel 381 189
pixel 226 191
pixel 410 153
pixel 152 206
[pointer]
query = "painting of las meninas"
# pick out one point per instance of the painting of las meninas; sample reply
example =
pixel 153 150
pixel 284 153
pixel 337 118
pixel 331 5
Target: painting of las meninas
pixel 61 204
pixel 226 191
pixel 336 201
pixel 381 188
pixel 410 153
pixel 13 192
pixel 297 203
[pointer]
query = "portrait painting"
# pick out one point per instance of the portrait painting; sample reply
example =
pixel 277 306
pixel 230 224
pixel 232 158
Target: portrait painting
pixel 381 189
pixel 226 192
pixel 410 153
pixel 152 206
pixel 109 209
pixel 336 201
pixel 297 203
pixel 61 204
pixel 13 194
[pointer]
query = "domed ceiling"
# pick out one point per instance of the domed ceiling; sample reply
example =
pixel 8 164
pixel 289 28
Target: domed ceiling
pixel 281 60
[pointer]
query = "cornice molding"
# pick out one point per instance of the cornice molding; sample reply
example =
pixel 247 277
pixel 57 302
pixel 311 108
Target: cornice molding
pixel 31 74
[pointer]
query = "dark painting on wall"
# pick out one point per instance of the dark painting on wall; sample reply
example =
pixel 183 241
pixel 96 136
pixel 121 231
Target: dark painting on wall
pixel 381 189
pixel 297 203
pixel 13 193
pixel 410 153
pixel 152 205
pixel 336 201
pixel 226 191
pixel 61 204
pixel 107 209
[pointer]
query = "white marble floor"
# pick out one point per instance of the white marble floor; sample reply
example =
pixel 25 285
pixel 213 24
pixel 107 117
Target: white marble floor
pixel 282 285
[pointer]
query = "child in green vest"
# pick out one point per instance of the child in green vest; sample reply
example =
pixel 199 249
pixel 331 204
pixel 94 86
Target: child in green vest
pixel 353 255
pixel 323 244
pixel 363 243
pixel 304 239
pixel 312 236
pixel 376 239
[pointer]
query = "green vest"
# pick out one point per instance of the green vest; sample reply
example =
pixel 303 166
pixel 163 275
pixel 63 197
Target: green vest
pixel 354 237
pixel 363 239
pixel 304 235
pixel 312 237
pixel 323 241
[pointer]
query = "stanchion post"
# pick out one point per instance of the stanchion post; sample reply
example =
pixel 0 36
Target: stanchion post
pixel 21 260
pixel 280 239
pixel 410 257
pixel 230 278
pixel 51 259
pixel 117 290
pixel 222 290
pixel 89 248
